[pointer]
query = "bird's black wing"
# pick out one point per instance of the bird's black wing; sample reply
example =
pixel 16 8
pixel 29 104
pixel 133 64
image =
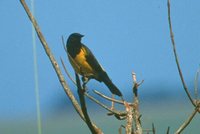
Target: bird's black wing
pixel 92 61
pixel 101 75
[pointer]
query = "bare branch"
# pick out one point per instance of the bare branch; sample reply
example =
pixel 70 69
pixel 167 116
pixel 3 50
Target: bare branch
pixel 68 74
pixel 176 56
pixel 187 122
pixel 63 42
pixel 136 113
pixel 52 59
pixel 115 112
pixel 70 77
pixel 110 99
pixel 83 105
pixel 55 65
pixel 129 124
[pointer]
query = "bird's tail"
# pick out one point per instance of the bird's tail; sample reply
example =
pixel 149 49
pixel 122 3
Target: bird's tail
pixel 106 80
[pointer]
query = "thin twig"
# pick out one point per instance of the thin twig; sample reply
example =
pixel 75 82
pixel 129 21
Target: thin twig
pixel 140 83
pixel 83 105
pixel 55 65
pixel 63 42
pixel 176 56
pixel 111 99
pixel 63 64
pixel 187 122
pixel 115 112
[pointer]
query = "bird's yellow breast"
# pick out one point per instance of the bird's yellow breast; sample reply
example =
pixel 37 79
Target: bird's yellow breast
pixel 80 63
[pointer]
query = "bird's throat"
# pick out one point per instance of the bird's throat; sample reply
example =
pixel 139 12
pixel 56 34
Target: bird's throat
pixel 73 49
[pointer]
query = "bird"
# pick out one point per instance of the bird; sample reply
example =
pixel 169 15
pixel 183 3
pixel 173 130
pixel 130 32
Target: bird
pixel 85 64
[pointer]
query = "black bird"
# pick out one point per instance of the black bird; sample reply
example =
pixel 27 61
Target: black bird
pixel 85 63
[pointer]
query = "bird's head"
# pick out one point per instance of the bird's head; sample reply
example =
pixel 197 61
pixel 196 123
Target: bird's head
pixel 74 38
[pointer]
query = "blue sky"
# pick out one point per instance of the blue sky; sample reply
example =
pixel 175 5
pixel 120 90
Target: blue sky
pixel 123 35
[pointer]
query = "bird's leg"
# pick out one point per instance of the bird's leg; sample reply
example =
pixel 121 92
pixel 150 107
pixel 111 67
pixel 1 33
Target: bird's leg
pixel 85 81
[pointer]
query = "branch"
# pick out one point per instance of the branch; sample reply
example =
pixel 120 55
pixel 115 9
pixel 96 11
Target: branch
pixel 110 99
pixel 187 122
pixel 83 105
pixel 133 114
pixel 73 81
pixel 63 42
pixel 196 105
pixel 115 112
pixel 55 65
pixel 176 56
pixel 129 124
pixel 136 113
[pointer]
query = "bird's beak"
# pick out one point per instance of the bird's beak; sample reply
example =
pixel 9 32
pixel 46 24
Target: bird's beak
pixel 82 35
